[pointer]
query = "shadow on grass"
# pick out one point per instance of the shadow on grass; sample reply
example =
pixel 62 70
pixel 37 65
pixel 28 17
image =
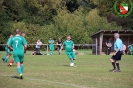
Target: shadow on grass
pixel 65 65
pixel 11 66
pixel 16 77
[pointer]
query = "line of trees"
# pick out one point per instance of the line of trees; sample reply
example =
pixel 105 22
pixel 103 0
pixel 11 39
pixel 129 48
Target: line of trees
pixel 41 19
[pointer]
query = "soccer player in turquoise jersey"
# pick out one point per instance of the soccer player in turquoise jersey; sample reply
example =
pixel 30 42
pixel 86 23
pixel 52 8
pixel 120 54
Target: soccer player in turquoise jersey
pixel 8 52
pixel 19 45
pixel 69 46
pixel 51 46
pixel 131 49
pixel 12 60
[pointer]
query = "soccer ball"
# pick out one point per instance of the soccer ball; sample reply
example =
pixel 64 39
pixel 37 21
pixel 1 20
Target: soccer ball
pixel 71 64
pixel 11 62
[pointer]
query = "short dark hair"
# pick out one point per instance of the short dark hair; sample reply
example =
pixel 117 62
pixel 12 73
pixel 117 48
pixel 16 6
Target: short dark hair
pixel 17 31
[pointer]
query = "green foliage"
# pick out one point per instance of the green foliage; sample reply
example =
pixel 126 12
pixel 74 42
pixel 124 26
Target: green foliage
pixel 106 10
pixel 41 19
pixel 81 26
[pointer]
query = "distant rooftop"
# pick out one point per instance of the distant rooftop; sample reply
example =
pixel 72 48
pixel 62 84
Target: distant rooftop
pixel 113 31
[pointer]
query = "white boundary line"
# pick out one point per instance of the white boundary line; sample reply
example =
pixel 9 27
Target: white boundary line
pixel 61 83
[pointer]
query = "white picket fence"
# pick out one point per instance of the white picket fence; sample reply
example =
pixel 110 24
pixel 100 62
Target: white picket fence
pixel 47 46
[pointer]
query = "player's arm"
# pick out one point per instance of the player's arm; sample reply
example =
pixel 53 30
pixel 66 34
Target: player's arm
pixel 61 43
pixel 57 43
pixel 37 43
pixel 111 44
pixel 53 42
pixel 40 43
pixel 116 51
pixel 25 45
pixel 62 47
pixel 129 46
pixel 25 48
pixel 106 44
pixel 9 44
pixel 10 48
pixel 49 42
pixel 73 45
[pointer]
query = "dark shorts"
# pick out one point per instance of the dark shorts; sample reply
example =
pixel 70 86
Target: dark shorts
pixel 59 47
pixel 117 56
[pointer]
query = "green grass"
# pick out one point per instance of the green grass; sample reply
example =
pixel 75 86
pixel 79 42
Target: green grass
pixel 54 72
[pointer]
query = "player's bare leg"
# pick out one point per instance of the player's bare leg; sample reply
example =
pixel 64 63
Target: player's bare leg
pixel 74 62
pixel 113 64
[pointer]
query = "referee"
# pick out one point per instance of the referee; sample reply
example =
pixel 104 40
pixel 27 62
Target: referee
pixel 118 46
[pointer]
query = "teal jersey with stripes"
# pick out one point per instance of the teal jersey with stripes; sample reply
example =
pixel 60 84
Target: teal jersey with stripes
pixel 9 39
pixel 17 42
pixel 51 41
pixel 68 45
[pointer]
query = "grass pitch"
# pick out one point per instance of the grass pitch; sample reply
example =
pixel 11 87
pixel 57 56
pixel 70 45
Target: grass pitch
pixel 53 71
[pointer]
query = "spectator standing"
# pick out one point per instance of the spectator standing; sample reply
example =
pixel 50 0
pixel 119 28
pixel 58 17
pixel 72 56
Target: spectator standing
pixel 51 46
pixel 109 45
pixel 59 43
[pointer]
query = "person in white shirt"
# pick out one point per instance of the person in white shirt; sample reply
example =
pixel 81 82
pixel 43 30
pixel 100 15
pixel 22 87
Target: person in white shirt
pixel 38 46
